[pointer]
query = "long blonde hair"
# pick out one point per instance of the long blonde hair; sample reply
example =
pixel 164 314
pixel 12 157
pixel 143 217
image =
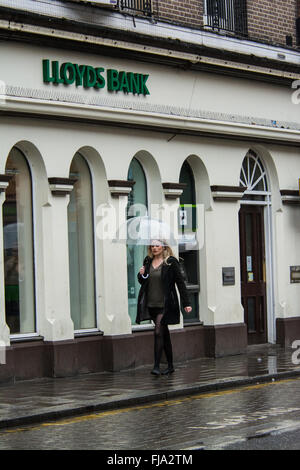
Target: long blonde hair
pixel 167 252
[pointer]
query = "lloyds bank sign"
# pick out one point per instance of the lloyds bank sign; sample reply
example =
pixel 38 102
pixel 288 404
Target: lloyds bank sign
pixel 87 76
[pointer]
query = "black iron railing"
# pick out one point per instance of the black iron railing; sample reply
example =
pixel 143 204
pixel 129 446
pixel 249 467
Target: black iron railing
pixel 138 6
pixel 227 16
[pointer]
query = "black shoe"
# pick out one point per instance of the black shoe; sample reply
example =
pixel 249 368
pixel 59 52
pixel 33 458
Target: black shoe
pixel 169 370
pixel 155 371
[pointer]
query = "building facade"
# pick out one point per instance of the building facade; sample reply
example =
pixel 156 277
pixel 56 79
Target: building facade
pixel 188 112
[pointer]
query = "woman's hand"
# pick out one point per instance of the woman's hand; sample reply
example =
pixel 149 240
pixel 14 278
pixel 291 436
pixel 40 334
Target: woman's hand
pixel 142 270
pixel 188 309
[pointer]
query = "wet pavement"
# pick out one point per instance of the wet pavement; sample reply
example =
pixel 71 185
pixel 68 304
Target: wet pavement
pixel 33 401
pixel 231 418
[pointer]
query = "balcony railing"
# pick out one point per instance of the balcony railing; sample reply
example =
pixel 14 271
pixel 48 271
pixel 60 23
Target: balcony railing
pixel 226 16
pixel 144 7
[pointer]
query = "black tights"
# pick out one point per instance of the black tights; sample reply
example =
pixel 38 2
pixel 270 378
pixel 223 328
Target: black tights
pixel 162 341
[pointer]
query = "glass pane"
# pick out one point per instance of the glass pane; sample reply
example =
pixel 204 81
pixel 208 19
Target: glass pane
pixel 253 197
pixel 135 254
pixel 81 247
pixel 18 247
pixel 249 245
pixel 187 212
pixel 251 166
pixel 258 183
pixel 248 235
pixel 188 225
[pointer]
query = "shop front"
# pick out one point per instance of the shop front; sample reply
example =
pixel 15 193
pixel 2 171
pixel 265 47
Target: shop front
pixel 88 141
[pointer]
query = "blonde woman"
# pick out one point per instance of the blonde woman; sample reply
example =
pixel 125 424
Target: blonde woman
pixel 158 299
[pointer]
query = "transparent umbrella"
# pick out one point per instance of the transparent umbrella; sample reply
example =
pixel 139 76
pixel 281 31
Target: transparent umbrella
pixel 143 230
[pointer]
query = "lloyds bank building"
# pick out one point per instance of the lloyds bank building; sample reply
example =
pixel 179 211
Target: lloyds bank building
pixel 188 110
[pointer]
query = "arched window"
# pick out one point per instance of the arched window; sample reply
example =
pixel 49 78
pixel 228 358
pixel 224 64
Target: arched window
pixel 188 251
pixel 81 246
pixel 253 176
pixel 137 205
pixel 18 246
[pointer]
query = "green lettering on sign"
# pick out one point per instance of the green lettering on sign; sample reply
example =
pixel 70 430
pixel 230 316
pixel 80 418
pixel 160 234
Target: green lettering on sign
pixel 144 90
pixel 56 72
pixel 112 80
pixel 80 71
pixel 46 72
pixel 134 82
pixel 89 76
pixel 124 86
pixel 100 79
pixel 68 74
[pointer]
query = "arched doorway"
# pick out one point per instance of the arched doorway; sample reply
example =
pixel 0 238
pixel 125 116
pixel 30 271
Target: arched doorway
pixel 254 225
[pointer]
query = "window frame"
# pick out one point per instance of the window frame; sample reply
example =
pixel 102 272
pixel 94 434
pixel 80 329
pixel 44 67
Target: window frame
pixel 148 325
pixel 21 336
pixel 95 328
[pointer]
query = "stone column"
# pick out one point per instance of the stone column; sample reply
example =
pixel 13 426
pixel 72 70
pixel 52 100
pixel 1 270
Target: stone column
pixel 57 325
pixel 118 348
pixel 224 317
pixel 114 315
pixel 287 274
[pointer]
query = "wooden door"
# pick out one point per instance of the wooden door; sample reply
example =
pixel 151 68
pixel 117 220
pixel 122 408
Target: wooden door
pixel 253 277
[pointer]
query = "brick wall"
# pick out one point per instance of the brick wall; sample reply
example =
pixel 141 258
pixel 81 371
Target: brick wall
pixel 184 12
pixel 270 21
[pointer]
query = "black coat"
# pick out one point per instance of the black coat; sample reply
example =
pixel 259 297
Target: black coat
pixel 170 275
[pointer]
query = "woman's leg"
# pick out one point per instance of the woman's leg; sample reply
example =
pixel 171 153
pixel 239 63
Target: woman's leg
pixel 162 342
pixel 158 342
pixel 168 346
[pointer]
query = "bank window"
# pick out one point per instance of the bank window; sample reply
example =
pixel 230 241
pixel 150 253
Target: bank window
pixel 137 206
pixel 18 247
pixel 188 248
pixel 81 247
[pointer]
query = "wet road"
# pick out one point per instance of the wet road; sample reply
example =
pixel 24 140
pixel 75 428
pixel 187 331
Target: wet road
pixel 216 420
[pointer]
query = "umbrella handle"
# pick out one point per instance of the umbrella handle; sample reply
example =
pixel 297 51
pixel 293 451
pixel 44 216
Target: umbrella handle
pixel 145 277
